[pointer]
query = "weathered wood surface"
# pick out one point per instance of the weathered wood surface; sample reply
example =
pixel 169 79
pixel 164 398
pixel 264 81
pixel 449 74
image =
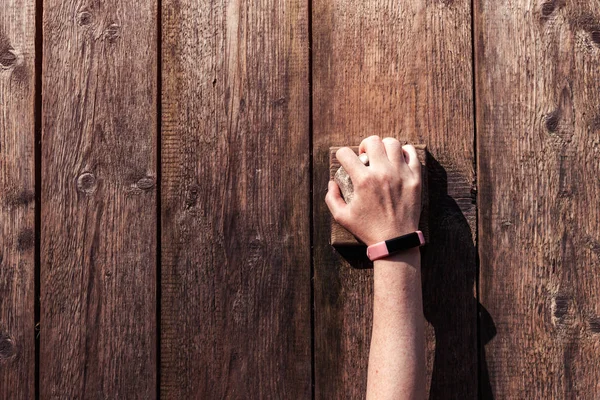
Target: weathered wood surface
pixel 235 309
pixel 236 249
pixel 17 199
pixel 339 235
pixel 98 216
pixel 539 222
pixel 397 69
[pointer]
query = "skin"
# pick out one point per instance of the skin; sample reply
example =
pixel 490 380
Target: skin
pixel 387 204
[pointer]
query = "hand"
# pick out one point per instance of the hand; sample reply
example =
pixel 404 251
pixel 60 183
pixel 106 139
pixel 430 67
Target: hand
pixel 387 193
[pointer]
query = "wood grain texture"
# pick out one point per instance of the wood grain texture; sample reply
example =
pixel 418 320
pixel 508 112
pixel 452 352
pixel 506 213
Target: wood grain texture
pixel 400 69
pixel 98 238
pixel 235 309
pixel 340 236
pixel 538 150
pixel 17 199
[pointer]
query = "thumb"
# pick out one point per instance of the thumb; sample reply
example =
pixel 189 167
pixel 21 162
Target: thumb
pixel 335 202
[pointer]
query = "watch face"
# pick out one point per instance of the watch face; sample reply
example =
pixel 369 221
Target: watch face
pixel 405 242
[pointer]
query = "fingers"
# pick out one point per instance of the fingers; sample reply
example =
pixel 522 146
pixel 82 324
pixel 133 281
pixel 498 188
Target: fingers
pixel 379 152
pixel 375 149
pixel 349 161
pixel 394 151
pixel 335 202
pixel 410 154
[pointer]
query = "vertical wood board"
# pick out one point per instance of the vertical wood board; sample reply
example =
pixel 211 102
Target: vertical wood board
pixel 538 149
pixel 398 69
pixel 98 237
pixel 235 308
pixel 17 198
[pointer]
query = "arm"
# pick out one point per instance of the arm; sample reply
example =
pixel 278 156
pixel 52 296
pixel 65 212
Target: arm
pixel 397 356
pixel 387 204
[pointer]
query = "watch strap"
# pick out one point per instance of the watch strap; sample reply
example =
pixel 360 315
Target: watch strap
pixel 383 249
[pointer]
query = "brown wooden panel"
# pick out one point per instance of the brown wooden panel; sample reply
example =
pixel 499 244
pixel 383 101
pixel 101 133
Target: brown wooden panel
pixel 235 314
pixel 98 243
pixel 17 198
pixel 538 149
pixel 400 69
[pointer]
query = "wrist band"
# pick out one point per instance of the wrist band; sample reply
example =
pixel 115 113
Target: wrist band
pixel 383 249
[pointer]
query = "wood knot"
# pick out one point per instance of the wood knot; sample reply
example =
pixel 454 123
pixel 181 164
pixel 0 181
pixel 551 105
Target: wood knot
pixel 25 240
pixel 84 18
pixel 548 8
pixel 588 23
pixel 595 325
pixel 595 36
pixel 595 123
pixel 552 120
pixel 87 183
pixel 145 183
pixel 280 102
pixel 560 306
pixel 8 350
pixel 21 199
pixel 112 33
pixel 192 195
pixel 8 58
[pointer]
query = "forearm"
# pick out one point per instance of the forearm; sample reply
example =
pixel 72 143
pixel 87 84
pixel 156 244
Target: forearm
pixel 386 203
pixel 397 355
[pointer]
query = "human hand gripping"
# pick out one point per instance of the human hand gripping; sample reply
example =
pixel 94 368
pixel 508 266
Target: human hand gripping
pixel 386 204
pixel 387 192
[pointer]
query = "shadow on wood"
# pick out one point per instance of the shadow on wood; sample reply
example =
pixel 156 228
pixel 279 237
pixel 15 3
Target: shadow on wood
pixel 449 301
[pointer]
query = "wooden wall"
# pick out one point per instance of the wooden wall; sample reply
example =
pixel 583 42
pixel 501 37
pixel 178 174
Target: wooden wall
pixel 163 165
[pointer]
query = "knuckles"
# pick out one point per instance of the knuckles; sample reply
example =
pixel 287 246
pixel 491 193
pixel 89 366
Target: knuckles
pixel 388 176
pixel 361 181
pixel 372 138
pixel 412 184
pixel 385 178
pixel 391 142
pixel 340 217
pixel 342 152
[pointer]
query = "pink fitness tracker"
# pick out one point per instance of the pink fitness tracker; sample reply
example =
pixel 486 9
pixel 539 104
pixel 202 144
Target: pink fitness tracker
pixel 383 249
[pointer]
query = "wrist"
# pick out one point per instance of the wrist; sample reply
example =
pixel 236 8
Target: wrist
pixel 397 279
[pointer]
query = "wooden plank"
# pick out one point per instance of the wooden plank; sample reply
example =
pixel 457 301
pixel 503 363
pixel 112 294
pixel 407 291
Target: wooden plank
pixel 397 69
pixel 17 199
pixel 340 236
pixel 235 314
pixel 98 243
pixel 538 149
